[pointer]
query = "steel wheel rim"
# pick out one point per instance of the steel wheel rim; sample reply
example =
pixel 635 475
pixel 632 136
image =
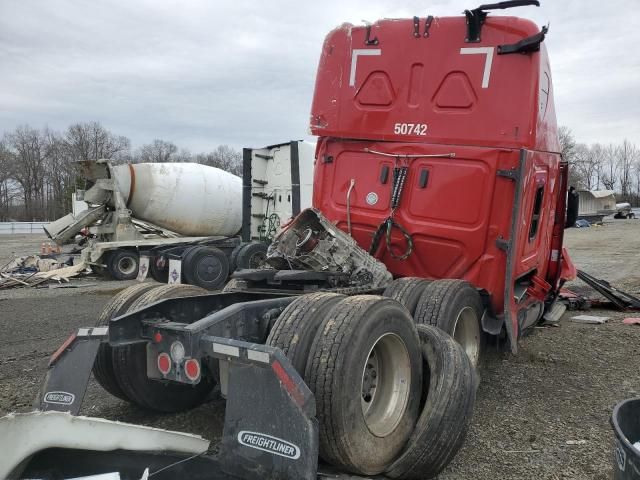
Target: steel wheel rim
pixel 466 331
pixel 257 259
pixel 209 269
pixel 386 382
pixel 126 265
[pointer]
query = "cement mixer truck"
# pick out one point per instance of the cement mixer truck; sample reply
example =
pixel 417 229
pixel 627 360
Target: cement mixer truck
pixel 179 222
pixel 184 214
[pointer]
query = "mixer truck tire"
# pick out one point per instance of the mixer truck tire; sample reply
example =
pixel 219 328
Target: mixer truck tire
pixel 454 306
pixel 252 255
pixel 130 365
pixel 447 411
pixel 407 291
pixel 206 267
pixel 296 327
pixel 233 258
pixel 123 264
pixel 365 370
pixel 103 366
pixel 235 285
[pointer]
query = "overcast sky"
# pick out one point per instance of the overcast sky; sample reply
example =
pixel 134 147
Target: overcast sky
pixel 204 73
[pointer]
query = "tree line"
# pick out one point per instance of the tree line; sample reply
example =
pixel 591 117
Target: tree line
pixel 603 167
pixel 38 172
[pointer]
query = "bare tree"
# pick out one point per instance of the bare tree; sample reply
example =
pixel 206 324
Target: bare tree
pixel 29 170
pixel 60 174
pixel 91 141
pixel 567 143
pixel 223 157
pixel 610 167
pixel 568 151
pixel 183 155
pixel 627 155
pixel 6 174
pixel 159 151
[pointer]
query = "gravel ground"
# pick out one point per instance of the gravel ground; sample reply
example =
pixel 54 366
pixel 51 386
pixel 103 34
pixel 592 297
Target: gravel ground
pixel 541 414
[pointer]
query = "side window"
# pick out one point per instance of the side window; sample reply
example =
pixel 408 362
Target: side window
pixel 535 217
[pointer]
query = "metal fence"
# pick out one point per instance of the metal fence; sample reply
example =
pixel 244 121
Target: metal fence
pixel 21 227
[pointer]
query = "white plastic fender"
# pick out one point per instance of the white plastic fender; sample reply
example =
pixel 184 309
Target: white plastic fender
pixel 186 198
pixel 24 434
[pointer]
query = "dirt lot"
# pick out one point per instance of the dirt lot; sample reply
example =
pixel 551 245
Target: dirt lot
pixel 542 414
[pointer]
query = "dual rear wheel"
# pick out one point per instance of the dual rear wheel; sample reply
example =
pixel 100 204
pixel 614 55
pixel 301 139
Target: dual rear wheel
pixel 122 371
pixel 453 306
pixel 381 382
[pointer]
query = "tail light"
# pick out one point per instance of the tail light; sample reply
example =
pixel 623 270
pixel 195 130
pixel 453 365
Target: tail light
pixel 164 363
pixel 192 369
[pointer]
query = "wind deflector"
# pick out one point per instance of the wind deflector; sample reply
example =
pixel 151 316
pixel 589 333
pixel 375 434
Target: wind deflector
pixel 526 45
pixel 477 16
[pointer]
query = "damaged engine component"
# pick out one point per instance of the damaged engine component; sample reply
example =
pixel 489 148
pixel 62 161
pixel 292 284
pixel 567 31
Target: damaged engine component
pixel 311 242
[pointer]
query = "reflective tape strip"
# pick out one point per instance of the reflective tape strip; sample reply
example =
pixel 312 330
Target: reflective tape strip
pixel 99 331
pixel 258 356
pixel 226 349
pixel 83 332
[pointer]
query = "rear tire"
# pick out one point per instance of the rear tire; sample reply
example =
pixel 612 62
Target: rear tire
pixel 251 255
pixel 233 258
pixel 407 291
pixel 454 306
pixel 103 366
pixel 235 285
pixel 130 366
pixel 123 264
pixel 365 369
pixel 296 327
pixel 206 267
pixel 446 415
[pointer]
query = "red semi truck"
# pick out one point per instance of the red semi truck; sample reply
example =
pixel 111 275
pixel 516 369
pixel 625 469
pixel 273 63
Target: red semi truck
pixel 439 208
pixel 464 135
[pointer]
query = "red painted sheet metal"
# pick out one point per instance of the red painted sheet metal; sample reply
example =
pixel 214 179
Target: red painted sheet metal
pixel 435 89
pixel 454 219
pixel 485 114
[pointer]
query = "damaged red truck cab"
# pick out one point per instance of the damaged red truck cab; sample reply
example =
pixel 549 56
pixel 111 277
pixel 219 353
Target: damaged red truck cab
pixel 439 146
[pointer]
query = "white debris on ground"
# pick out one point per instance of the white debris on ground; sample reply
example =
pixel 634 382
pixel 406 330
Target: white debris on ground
pixel 33 270
pixel 593 319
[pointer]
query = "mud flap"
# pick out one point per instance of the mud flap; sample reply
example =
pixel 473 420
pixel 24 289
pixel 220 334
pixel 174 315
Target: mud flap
pixel 69 370
pixel 270 428
pixel 175 271
pixel 143 269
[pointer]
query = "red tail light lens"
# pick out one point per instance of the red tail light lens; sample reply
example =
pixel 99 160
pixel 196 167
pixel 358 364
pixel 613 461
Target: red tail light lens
pixel 192 369
pixel 164 363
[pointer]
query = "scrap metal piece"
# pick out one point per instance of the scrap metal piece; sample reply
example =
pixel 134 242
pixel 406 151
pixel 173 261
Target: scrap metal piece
pixel 620 299
pixel 311 242
pixel 591 319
